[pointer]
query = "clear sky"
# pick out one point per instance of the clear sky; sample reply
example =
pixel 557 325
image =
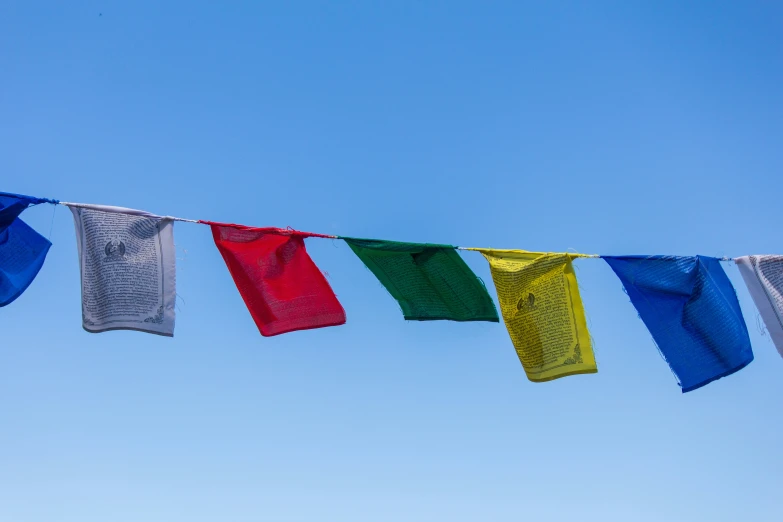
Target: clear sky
pixel 604 127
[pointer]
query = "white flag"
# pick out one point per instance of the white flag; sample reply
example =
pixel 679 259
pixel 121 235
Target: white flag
pixel 763 276
pixel 127 264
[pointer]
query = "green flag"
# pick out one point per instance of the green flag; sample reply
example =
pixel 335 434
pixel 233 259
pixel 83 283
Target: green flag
pixel 430 282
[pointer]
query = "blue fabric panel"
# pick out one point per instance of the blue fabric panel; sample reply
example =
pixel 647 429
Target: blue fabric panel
pixel 692 312
pixel 31 200
pixel 22 249
pixel 11 205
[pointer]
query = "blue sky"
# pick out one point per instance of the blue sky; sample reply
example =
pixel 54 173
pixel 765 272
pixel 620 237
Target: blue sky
pixel 604 127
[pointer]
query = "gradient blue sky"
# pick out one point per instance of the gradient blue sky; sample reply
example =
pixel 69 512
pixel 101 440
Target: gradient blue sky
pixel 605 127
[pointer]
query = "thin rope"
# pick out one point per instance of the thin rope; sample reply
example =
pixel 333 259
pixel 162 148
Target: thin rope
pixel 307 234
pixel 592 256
pixel 141 213
pixel 51 225
pixel 269 230
pixel 472 249
pixel 103 208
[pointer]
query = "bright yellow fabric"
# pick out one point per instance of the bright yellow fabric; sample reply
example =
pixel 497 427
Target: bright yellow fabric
pixel 544 315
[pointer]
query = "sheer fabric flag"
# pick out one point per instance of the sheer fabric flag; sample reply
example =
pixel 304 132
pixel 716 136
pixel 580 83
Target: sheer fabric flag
pixel 692 312
pixel 763 276
pixel 543 312
pixel 281 285
pixel 22 249
pixel 128 269
pixel 429 282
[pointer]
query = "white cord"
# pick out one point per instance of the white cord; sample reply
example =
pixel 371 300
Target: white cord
pixel 123 210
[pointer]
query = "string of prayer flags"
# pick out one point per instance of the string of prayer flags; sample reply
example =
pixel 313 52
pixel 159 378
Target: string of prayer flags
pixel 128 282
pixel 282 287
pixel 22 249
pixel 763 276
pixel 692 312
pixel 543 312
pixel 127 263
pixel 430 282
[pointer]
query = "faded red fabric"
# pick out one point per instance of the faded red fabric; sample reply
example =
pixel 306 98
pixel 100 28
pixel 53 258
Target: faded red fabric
pixel 281 285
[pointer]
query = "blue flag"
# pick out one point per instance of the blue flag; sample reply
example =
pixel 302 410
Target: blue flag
pixel 692 312
pixel 22 249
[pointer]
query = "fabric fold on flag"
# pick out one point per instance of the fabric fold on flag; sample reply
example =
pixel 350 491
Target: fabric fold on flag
pixel 763 275
pixel 128 269
pixel 690 307
pixel 281 286
pixel 429 282
pixel 543 311
pixel 22 249
pixel 12 205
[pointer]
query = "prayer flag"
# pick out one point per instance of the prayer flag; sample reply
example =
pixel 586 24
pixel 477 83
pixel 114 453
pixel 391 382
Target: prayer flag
pixel 763 276
pixel 429 282
pixel 11 206
pixel 22 249
pixel 692 312
pixel 281 285
pixel 128 271
pixel 543 312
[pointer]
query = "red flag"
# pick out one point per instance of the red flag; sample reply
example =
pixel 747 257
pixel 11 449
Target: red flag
pixel 281 286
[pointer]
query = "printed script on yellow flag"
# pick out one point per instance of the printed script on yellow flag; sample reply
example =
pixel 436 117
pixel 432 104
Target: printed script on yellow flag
pixel 540 303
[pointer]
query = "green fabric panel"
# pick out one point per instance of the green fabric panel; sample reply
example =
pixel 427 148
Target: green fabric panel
pixel 429 282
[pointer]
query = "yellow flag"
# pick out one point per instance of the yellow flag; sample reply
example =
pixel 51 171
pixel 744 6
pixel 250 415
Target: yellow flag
pixel 543 312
